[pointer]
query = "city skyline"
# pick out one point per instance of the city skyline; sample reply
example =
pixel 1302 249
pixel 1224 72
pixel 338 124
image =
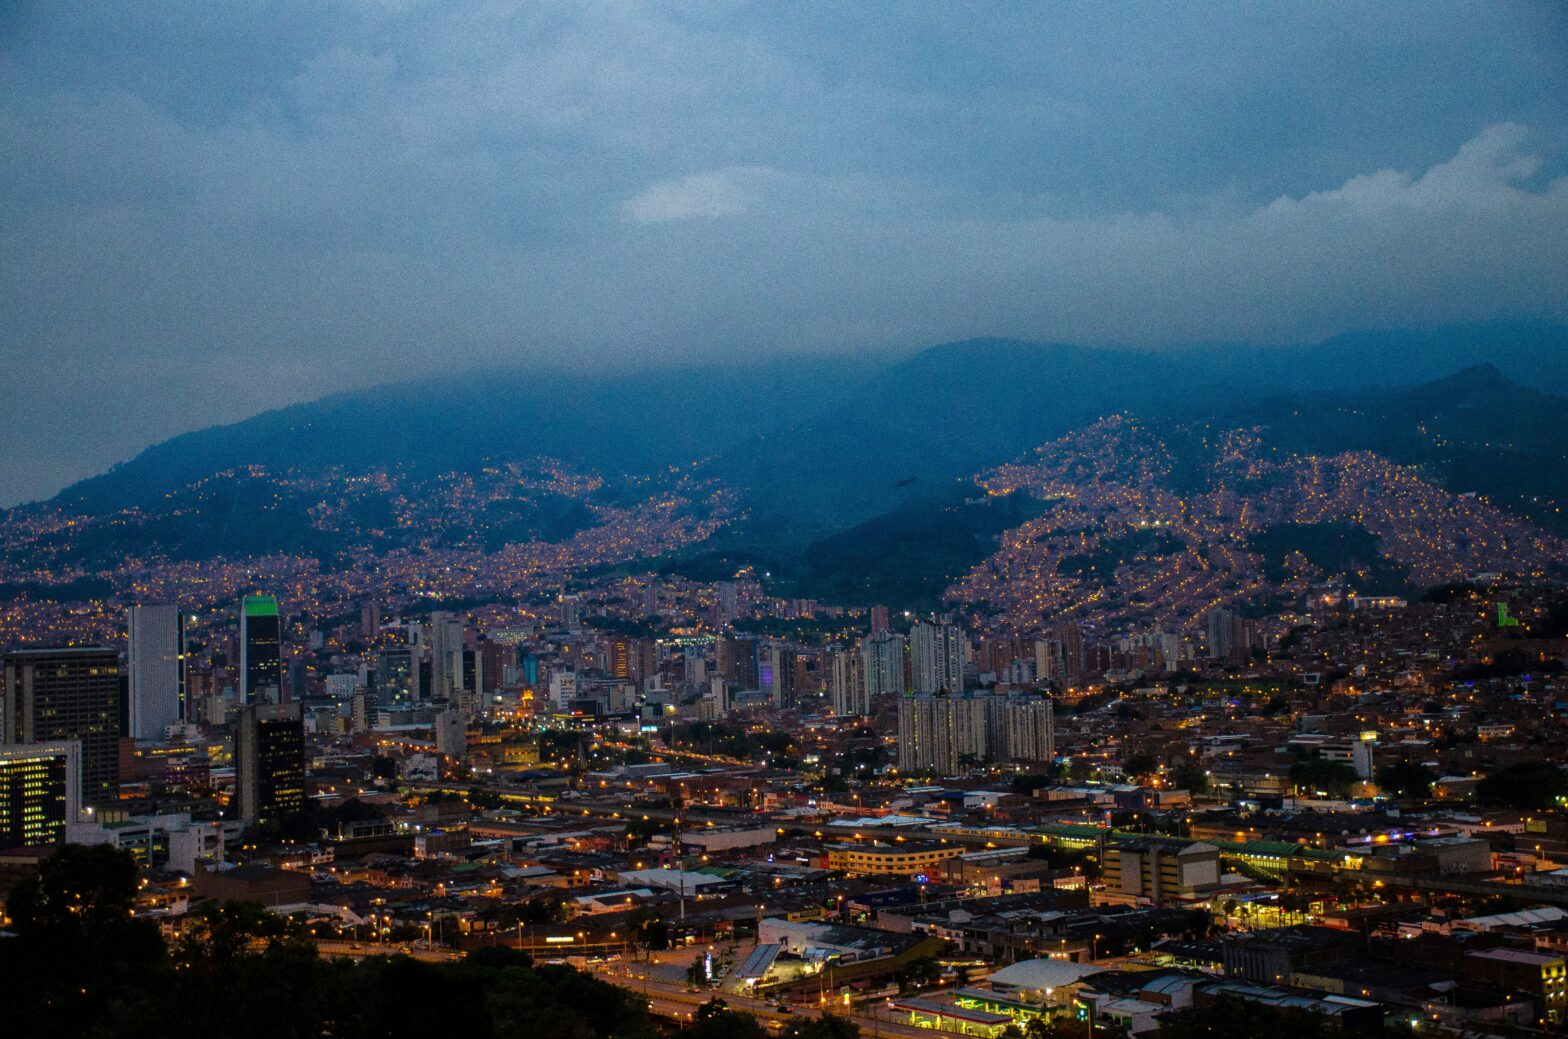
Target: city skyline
pixel 669 520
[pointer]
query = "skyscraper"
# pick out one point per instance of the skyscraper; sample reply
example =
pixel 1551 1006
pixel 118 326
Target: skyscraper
pixel 369 621
pixel 882 658
pixel 451 731
pixel 936 657
pixel 735 661
pixel 778 676
pixel 156 662
pixel 847 685
pixel 40 792
pixel 446 657
pixel 946 734
pixel 68 694
pixel 261 650
pixel 941 734
pixel 1021 728
pixel 269 761
pixel 727 606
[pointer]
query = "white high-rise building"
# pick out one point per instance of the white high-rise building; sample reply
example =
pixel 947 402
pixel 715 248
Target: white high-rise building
pixel 946 734
pixel 156 663
pixel 941 734
pixel 882 664
pixel 936 657
pixel 1021 728
pixel 563 689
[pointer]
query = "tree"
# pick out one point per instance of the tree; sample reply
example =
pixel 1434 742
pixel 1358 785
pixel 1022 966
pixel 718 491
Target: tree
pixel 1407 779
pixel 80 964
pixel 715 1020
pixel 1188 776
pixel 77 945
pixel 1525 785
pixel 1140 765
pixel 828 1026
pixel 1320 775
pixel 918 973
pixel 648 929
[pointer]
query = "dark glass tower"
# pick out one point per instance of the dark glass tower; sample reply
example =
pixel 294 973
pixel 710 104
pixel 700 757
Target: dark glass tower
pixel 261 655
pixel 269 762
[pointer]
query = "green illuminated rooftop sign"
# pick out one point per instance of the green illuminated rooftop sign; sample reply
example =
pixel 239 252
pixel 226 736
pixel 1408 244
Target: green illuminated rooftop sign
pixel 1504 619
pixel 259 606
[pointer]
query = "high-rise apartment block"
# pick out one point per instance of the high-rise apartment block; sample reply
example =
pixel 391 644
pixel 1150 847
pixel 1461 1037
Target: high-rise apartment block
pixel 946 734
pixel 882 659
pixel 936 657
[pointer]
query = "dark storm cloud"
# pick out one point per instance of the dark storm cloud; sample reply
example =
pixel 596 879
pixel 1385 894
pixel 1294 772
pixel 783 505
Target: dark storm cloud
pixel 207 210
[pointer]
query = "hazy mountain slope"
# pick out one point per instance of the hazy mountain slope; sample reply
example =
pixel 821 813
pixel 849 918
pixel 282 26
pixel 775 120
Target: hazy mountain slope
pixel 1474 431
pixel 1527 350
pixel 634 422
pixel 912 430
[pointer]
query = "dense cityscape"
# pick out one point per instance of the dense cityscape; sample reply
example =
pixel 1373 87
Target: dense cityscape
pixel 820 521
pixel 726 802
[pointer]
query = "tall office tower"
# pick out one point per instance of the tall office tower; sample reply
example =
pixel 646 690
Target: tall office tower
pixel 571 612
pixel 941 734
pixel 369 621
pixel 1048 663
pixel 40 792
pixel 469 698
pixel 882 663
pixel 645 661
pixel 879 620
pixel 359 713
pixel 261 650
pixel 619 662
pixel 847 685
pixel 297 687
pixel 68 694
pixel 735 661
pixel 446 656
pixel 495 659
pixel 1074 661
pixel 451 735
pixel 728 603
pixel 778 676
pixel 936 657
pixel 269 761
pixel 1220 638
pixel 156 662
pixel 1021 728
pixel 694 668
pixel 397 675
